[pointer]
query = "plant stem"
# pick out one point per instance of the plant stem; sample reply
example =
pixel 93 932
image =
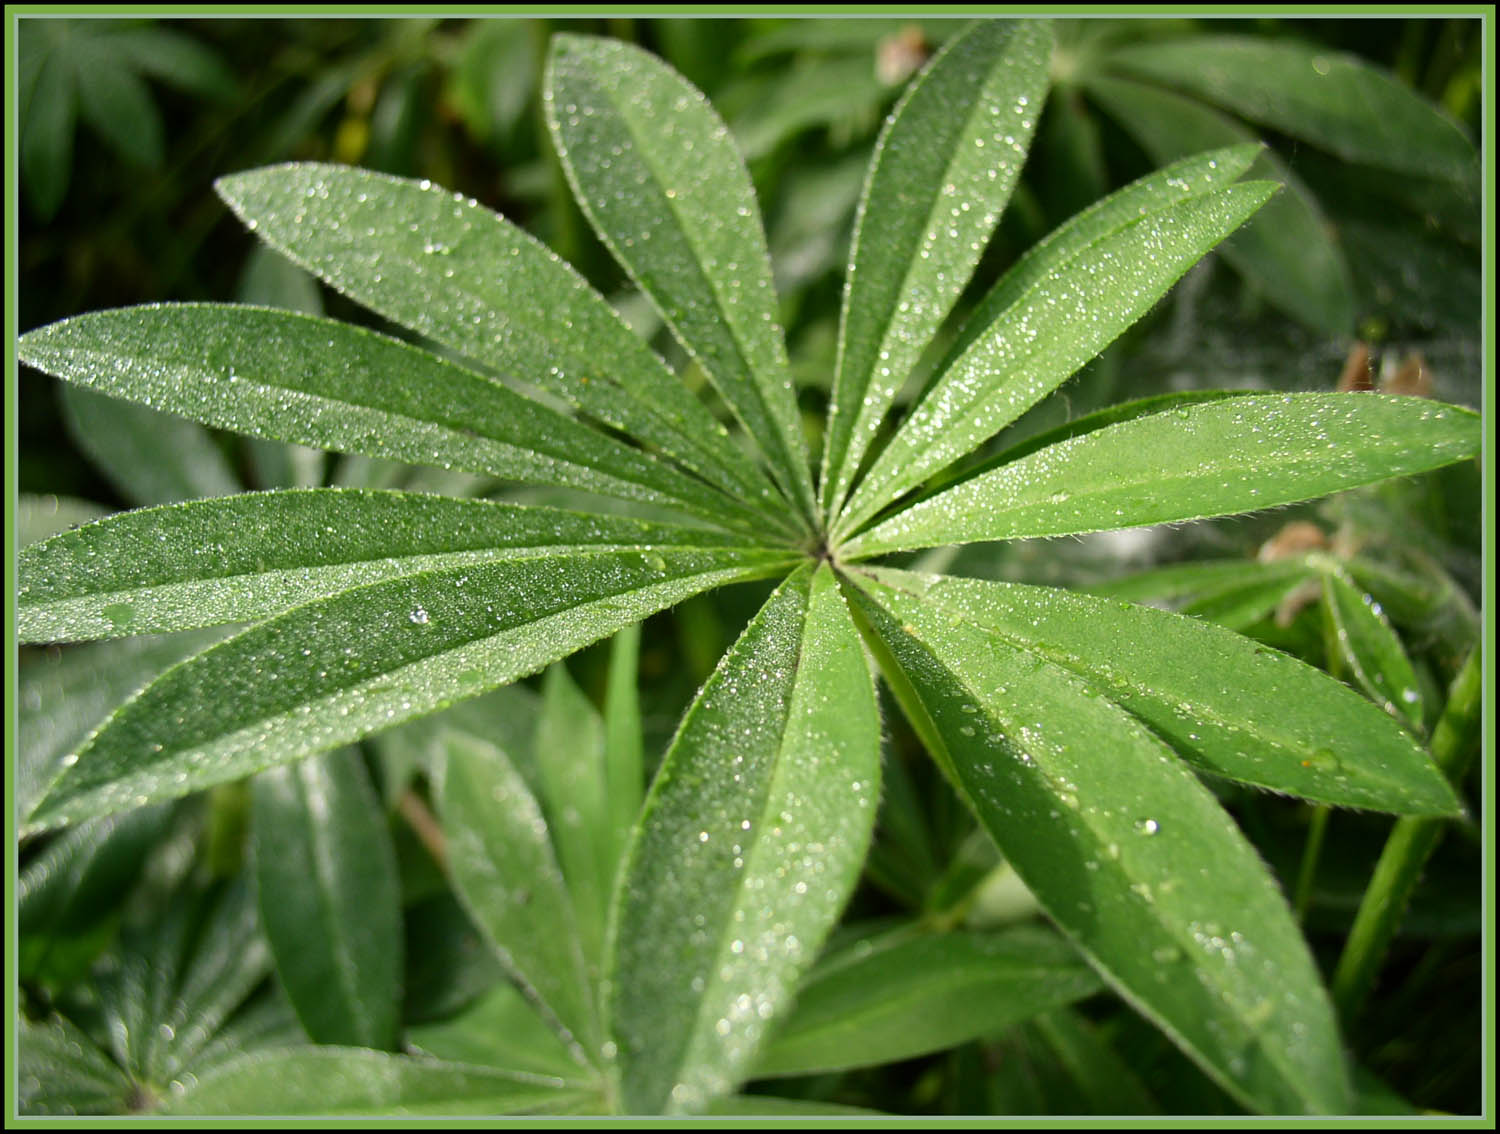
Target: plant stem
pixel 1312 850
pixel 1412 840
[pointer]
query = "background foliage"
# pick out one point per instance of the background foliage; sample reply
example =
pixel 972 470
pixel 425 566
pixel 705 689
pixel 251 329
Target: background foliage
pixel 126 123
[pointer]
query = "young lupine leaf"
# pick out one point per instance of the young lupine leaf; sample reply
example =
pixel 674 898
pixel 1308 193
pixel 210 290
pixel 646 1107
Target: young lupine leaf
pixel 1330 99
pixel 61 1071
pixel 335 1081
pixel 1204 690
pixel 1190 177
pixel 1212 459
pixel 180 979
pixel 330 385
pixel 463 276
pixel 751 839
pixel 624 754
pixel 908 996
pixel 942 173
pixel 574 791
pixel 506 873
pixel 149 457
pixel 247 557
pixel 1370 648
pixel 1057 324
pixel 1127 852
pixel 656 172
pixel 333 671
pixel 501 1029
pixel 1289 251
pixel 329 895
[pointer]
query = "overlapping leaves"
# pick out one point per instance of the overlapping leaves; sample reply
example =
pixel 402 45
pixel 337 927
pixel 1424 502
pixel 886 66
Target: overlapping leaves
pixel 367 609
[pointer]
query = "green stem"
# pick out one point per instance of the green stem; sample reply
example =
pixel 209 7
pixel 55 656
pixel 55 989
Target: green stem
pixel 1312 850
pixel 1412 840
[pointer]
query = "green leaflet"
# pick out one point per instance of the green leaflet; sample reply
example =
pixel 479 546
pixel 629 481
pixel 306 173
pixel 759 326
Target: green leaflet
pixel 357 1081
pixel 329 897
pixel 1205 691
pixel 1212 459
pixel 573 786
pixel 1130 855
pixel 1057 324
pixel 911 995
pixel 61 1071
pixel 1370 648
pixel 1190 177
pixel 456 272
pixel 751 839
pixel 247 557
pixel 506 873
pixel 1289 251
pixel 330 385
pixel 1330 99
pixel 657 174
pixel 330 672
pixel 149 457
pixel 942 173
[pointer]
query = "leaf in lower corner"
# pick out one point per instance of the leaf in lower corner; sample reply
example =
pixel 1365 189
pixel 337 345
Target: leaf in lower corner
pixel 750 841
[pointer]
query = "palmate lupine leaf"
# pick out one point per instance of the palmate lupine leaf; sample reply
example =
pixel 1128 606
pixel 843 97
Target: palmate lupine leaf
pixel 909 995
pixel 463 276
pixel 943 170
pixel 329 897
pixel 247 557
pixel 656 171
pixel 61 1071
pixel 750 841
pixel 330 672
pixel 1205 691
pixel 1210 459
pixel 1126 851
pixel 1064 318
pixel 318 382
pixel 500 1029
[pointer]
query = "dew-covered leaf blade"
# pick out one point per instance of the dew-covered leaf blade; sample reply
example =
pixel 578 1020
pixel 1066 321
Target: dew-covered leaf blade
pixel 1213 459
pixel 750 841
pixel 463 276
pixel 942 174
pixel 333 671
pixel 247 557
pixel 657 173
